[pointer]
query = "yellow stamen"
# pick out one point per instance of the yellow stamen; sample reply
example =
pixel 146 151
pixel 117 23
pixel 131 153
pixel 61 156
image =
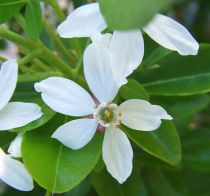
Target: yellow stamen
pixel 107 113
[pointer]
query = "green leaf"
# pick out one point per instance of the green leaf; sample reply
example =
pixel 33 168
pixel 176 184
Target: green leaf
pixel 181 107
pixel 163 143
pixel 33 17
pixel 105 184
pixel 179 75
pixel 196 150
pixel 9 8
pixel 154 57
pixel 54 166
pixel 5 138
pixel 160 183
pixel 131 14
pixel 47 115
pixel 133 90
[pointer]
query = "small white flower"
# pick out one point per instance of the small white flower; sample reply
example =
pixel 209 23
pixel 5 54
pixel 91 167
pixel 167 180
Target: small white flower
pixel 14 114
pixel 87 19
pixel 126 51
pixel 66 97
pixel 13 173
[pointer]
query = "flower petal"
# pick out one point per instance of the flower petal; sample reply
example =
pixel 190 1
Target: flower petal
pixel 117 154
pixel 18 114
pixel 127 51
pixel 104 39
pixel 98 72
pixel 172 35
pixel 8 78
pixel 65 96
pixel 76 133
pixel 141 115
pixel 15 147
pixel 13 173
pixel 83 22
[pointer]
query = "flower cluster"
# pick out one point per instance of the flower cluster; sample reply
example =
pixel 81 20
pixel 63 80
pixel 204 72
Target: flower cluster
pixel 14 115
pixel 108 61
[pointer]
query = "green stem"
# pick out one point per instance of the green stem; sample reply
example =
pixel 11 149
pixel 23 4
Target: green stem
pixel 48 193
pixel 56 8
pixel 41 65
pixel 7 34
pixel 21 21
pixel 46 54
pixel 29 57
pixel 68 53
pixel 77 71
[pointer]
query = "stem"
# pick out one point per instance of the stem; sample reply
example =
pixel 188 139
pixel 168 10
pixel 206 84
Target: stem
pixel 78 68
pixel 41 65
pixel 57 9
pixel 68 53
pixel 29 57
pixel 38 76
pixel 7 34
pixel 21 21
pixel 33 45
pixel 52 59
pixel 48 193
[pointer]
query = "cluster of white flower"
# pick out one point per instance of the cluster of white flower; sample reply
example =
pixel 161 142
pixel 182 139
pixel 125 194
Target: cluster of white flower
pixel 108 61
pixel 14 115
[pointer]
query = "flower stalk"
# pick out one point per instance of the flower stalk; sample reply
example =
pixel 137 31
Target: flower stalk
pixel 46 54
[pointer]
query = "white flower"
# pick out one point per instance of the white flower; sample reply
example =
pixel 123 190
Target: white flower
pixel 13 114
pixel 87 19
pixel 126 51
pixel 13 173
pixel 66 97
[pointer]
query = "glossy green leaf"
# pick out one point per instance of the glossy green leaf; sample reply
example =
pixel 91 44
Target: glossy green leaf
pixel 9 8
pixel 197 183
pixel 5 139
pixel 180 107
pixel 54 166
pixel 105 184
pixel 133 90
pixel 196 150
pixel 160 183
pixel 33 17
pixel 130 14
pixel 179 75
pixel 163 143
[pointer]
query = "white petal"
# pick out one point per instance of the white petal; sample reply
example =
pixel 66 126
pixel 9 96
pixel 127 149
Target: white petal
pixel 65 96
pixel 76 133
pixel 127 49
pixel 172 35
pixel 15 147
pixel 117 154
pixel 104 39
pixel 18 114
pixel 13 173
pixel 141 115
pixel 8 80
pixel 98 73
pixel 83 22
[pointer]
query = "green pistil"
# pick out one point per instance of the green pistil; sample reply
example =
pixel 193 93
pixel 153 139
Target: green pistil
pixel 106 115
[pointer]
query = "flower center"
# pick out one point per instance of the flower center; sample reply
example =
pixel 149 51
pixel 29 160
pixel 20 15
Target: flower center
pixel 107 114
